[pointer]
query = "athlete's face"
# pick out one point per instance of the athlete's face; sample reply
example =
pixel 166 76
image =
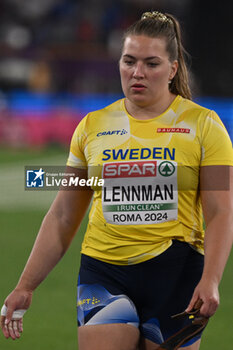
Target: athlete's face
pixel 145 69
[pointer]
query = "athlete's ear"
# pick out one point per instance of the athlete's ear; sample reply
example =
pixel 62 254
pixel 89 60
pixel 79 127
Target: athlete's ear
pixel 174 68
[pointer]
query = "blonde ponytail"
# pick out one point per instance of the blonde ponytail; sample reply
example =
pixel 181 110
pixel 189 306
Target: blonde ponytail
pixel 157 24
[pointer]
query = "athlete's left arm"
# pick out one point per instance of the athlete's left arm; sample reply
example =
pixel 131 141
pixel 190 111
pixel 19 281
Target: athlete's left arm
pixel 216 185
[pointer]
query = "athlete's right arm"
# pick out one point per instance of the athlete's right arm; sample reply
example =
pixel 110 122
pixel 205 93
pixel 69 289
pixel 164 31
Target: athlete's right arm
pixel 55 235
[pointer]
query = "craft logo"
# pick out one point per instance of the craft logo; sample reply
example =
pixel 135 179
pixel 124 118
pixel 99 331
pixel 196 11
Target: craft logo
pixel 88 301
pixel 112 132
pixel 35 178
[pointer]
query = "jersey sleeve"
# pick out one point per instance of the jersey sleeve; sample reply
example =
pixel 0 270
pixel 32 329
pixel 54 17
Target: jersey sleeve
pixel 77 157
pixel 216 143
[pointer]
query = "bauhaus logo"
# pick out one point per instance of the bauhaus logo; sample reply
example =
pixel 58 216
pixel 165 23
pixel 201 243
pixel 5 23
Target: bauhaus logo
pixel 173 130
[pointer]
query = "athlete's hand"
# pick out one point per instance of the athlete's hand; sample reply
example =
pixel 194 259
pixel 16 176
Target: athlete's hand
pixel 17 300
pixel 208 292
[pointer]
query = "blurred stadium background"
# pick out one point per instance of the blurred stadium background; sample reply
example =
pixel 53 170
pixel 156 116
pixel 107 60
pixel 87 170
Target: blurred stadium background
pixel 58 61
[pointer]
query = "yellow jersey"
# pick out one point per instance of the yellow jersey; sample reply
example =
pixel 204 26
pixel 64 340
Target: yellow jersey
pixel 150 169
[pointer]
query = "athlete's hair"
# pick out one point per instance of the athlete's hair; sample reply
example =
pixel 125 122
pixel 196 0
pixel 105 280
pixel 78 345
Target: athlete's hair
pixel 156 24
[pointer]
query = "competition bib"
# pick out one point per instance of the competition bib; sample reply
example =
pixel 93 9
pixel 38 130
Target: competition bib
pixel 140 192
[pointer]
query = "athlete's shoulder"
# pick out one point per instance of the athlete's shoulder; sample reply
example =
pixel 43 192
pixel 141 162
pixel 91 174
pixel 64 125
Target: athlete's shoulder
pixel 99 119
pixel 110 110
pixel 202 114
pixel 185 105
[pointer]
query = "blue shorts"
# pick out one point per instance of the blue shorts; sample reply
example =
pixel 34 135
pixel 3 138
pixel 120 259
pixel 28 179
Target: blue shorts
pixel 144 295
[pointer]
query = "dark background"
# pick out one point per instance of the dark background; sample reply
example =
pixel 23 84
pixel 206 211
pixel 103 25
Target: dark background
pixel 74 46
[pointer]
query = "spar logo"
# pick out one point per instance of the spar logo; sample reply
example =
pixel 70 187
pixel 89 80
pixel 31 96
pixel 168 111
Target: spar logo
pixel 112 132
pixel 166 168
pixel 130 169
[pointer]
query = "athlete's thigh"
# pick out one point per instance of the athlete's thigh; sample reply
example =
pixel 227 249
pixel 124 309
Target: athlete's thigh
pixel 107 317
pixel 146 344
pixel 108 337
pixel 194 346
pixel 168 287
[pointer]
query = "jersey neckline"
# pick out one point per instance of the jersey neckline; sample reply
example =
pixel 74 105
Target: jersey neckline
pixel 172 106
